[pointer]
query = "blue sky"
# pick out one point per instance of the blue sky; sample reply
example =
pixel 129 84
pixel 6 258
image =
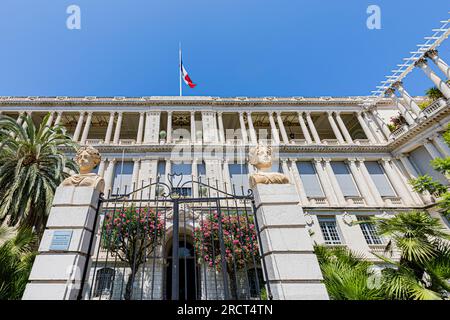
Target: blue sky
pixel 230 47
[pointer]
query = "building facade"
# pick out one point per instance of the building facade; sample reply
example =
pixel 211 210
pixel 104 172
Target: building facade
pixel 339 153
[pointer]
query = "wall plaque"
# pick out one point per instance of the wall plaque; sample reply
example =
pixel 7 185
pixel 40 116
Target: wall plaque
pixel 61 240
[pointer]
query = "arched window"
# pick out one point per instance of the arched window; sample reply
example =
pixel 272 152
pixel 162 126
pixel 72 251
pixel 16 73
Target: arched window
pixel 104 281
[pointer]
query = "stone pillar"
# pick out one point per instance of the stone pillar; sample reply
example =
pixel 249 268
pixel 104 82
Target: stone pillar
pixel 243 129
pixel 410 103
pixel 109 177
pixel 193 133
pixel 336 131
pixel 286 171
pixel 140 128
pixel 87 127
pixel 433 55
pixel 118 128
pixel 169 127
pixel 221 128
pixel 110 128
pixel 403 111
pixel 168 169
pixel 326 184
pixel 439 83
pixel 413 174
pixel 304 128
pixel 362 185
pixel 344 130
pixel 101 168
pixel 58 118
pixel 373 125
pixel 50 119
pixel 292 267
pixel 415 197
pixel 334 183
pixel 372 187
pixel 354 238
pixel 312 128
pixel 432 150
pixel 382 124
pixel 284 135
pixel 77 132
pixel 20 118
pixel 441 145
pixel 365 128
pixel 194 170
pixel 275 135
pixel 251 128
pixel 299 183
pixel 396 182
pixel 57 271
pixel 227 177
pixel 135 177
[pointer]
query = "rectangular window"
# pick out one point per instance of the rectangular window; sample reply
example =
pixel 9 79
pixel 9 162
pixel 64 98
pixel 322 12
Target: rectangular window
pixel 276 167
pixel 329 230
pixel 184 170
pixel 201 171
pixel 379 178
pixel 161 170
pixel 239 177
pixel 123 172
pixel 309 178
pixel 344 179
pixel 421 160
pixel 369 231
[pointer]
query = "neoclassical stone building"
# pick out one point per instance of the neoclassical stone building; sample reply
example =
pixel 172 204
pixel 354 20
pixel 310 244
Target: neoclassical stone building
pixel 344 160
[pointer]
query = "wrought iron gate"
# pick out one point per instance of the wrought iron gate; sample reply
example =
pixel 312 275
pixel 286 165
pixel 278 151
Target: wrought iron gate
pixel 177 239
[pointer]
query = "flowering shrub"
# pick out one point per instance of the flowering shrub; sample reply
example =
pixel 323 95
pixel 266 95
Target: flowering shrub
pixel 396 122
pixel 239 237
pixel 132 233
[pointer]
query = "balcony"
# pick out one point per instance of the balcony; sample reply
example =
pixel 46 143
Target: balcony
pixel 433 108
pixel 392 201
pixel 318 201
pixel 355 201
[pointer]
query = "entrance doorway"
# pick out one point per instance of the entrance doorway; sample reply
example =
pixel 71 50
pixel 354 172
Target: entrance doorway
pixel 189 282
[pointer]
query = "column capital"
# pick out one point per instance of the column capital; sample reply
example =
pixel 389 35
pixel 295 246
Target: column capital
pixel 308 113
pixel 82 113
pixel 351 160
pixel 327 160
pixel 192 112
pixel 59 112
pixel 284 160
pixel 421 62
pixel 361 160
pixel 120 113
pixel 278 113
pixel 390 92
pixel 112 160
pixel 397 84
pixel 249 113
pixel 90 113
pixel 136 160
pixel 317 160
pixel 219 113
pixel 386 159
pixel 169 112
pixel 141 113
pixel 432 54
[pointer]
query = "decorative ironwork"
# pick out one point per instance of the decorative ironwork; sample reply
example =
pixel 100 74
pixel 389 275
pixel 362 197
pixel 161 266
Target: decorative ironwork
pixel 177 239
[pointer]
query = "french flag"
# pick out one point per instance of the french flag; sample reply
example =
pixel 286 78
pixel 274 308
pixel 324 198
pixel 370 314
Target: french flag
pixel 185 75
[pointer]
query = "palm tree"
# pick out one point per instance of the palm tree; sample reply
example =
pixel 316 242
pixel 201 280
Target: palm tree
pixel 434 93
pixel 16 259
pixel 423 270
pixel 31 167
pixel 347 276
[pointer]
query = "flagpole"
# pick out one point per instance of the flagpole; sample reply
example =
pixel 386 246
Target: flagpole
pixel 179 70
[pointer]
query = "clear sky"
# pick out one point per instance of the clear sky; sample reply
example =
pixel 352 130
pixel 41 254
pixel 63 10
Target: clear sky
pixel 230 47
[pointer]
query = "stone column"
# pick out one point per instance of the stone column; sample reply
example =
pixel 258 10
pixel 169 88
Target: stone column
pixel 110 128
pixel 344 130
pixel 415 197
pixel 365 128
pixel 362 185
pixel 169 127
pixel 286 171
pixel 275 135
pixel 58 270
pixel 221 128
pixel 304 128
pixel 372 187
pixel 140 128
pixel 284 135
pixel 135 176
pixel 441 145
pixel 382 124
pixel 432 150
pixel 336 131
pixel 312 128
pixel 77 132
pixel 195 178
pixel 326 184
pixel 109 177
pixel 101 168
pixel 433 55
pixel 373 125
pixel 439 83
pixel 411 104
pixel 168 169
pixel 396 182
pixel 87 127
pixel 193 133
pixel 413 174
pixel 334 183
pixel 403 110
pixel 50 119
pixel 243 129
pixel 58 118
pixel 118 128
pixel 292 267
pixel 19 119
pixel 299 183
pixel 251 128
pixel 227 177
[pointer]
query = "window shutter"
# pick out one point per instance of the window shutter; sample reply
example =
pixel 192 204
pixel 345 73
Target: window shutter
pixel 239 177
pixel 421 159
pixel 379 178
pixel 309 179
pixel 345 179
pixel 123 173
